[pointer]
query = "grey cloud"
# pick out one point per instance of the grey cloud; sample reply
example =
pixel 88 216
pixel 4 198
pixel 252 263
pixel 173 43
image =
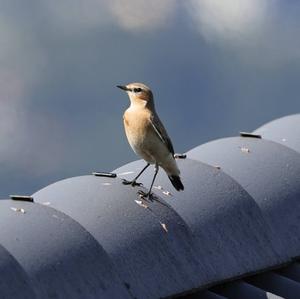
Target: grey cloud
pixel 22 63
pixel 132 16
pixel 230 20
pixel 140 15
pixel 74 16
pixel 262 33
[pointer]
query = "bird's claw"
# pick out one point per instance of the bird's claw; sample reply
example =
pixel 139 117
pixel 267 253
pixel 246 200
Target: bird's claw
pixel 132 183
pixel 144 195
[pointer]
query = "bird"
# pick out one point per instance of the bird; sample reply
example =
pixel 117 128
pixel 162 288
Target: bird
pixel 148 137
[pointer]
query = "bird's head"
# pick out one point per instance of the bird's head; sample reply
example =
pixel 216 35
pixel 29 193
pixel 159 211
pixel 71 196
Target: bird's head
pixel 139 94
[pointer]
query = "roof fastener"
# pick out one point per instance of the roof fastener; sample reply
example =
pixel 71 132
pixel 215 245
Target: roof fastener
pixel 247 134
pixel 21 197
pixel 180 156
pixel 105 174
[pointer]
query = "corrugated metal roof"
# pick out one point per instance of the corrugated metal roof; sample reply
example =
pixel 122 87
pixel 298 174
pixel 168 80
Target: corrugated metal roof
pixel 272 285
pixel 93 237
pixel 50 255
pixel 143 253
pixel 270 173
pixel 284 130
pixel 231 230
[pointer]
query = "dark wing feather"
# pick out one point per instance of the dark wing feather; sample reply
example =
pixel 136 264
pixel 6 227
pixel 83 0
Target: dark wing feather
pixel 161 132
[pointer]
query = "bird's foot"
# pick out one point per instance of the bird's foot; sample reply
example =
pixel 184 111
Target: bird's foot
pixel 145 195
pixel 132 183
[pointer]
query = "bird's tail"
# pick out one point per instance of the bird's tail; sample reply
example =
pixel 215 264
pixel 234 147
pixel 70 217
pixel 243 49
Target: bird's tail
pixel 176 182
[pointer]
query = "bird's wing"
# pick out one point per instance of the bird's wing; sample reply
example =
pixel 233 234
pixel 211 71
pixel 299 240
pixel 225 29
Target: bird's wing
pixel 161 132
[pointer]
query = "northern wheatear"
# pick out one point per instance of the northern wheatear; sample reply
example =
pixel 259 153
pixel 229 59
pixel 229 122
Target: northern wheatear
pixel 147 135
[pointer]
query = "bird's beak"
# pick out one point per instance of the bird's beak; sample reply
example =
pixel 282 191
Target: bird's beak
pixel 124 87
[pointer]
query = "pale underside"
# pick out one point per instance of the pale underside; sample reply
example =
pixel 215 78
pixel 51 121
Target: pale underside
pixel 146 140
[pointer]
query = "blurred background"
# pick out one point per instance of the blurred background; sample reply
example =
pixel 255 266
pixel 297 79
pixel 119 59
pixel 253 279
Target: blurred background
pixel 216 68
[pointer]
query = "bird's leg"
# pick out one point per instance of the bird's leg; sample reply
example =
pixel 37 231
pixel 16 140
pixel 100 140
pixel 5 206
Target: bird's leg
pixel 133 182
pixel 147 195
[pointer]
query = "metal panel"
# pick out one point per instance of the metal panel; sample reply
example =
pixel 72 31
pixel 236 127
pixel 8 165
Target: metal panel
pixel 242 290
pixel 292 272
pixel 270 173
pixel 227 223
pixel 285 130
pixel 152 248
pixel 14 282
pixel 204 295
pixel 55 254
pixel 276 284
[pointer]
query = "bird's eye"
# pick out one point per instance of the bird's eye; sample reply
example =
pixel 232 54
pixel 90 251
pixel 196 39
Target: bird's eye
pixel 137 90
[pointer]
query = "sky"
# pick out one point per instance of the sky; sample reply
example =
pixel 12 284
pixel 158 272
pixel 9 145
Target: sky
pixel 215 68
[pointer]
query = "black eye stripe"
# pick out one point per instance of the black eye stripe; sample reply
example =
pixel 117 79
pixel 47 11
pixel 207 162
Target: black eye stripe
pixel 137 89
